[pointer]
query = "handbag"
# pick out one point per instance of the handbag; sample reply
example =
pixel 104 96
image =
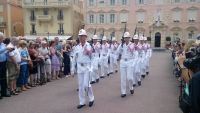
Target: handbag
pixel 184 104
pixel 30 64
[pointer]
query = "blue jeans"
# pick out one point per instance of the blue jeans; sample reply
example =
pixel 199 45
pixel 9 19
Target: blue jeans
pixel 24 74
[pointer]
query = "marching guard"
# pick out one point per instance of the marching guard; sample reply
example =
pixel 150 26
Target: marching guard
pixel 104 54
pixel 95 60
pixel 83 58
pixel 136 62
pixel 126 51
pixel 142 57
pixel 113 57
pixel 148 54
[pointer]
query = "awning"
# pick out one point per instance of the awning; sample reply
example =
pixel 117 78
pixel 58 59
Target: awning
pixel 33 37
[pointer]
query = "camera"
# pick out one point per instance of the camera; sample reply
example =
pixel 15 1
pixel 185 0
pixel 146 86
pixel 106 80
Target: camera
pixel 192 62
pixel 13 49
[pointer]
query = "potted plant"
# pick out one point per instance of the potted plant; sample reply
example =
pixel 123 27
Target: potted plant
pixel 168 39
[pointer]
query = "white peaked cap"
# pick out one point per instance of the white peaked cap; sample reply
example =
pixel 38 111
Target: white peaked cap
pixel 135 37
pixel 95 37
pixel 113 39
pixel 104 38
pixel 141 37
pixel 82 32
pixel 127 34
pixel 145 38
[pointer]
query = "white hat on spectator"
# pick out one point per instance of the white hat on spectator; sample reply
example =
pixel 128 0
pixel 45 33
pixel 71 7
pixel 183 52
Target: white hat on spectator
pixel 144 38
pixel 95 37
pixel 127 34
pixel 141 37
pixel 113 39
pixel 135 37
pixel 43 42
pixel 82 32
pixel 104 38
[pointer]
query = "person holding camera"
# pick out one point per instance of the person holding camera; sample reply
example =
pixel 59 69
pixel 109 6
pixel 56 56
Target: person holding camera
pixel 66 58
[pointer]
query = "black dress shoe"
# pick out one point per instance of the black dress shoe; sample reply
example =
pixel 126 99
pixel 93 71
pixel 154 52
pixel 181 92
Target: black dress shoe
pixel 80 106
pixel 77 90
pixel 147 73
pixel 6 95
pixel 116 71
pixel 132 91
pixel 102 77
pixel 123 95
pixel 91 103
pixel 92 82
pixel 134 85
pixel 143 76
pixel 111 73
pixel 139 83
pixel 108 74
pixel 97 80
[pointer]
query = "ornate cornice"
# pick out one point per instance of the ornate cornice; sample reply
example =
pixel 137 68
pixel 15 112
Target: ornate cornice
pixel 124 11
pixel 90 11
pixel 191 28
pixel 177 9
pixel 192 8
pixel 176 29
pixel 141 10
pixel 112 11
pixel 101 11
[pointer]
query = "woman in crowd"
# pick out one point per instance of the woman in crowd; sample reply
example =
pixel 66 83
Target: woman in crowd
pixel 37 75
pixel 24 70
pixel 55 64
pixel 66 52
pixel 33 55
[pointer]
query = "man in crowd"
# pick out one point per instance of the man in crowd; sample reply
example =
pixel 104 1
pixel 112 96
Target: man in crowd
pixel 82 56
pixel 3 52
pixel 13 64
pixel 46 68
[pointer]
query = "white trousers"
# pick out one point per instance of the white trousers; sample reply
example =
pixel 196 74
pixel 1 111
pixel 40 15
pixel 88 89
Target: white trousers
pixel 95 73
pixel 104 64
pixel 126 72
pixel 84 83
pixel 113 60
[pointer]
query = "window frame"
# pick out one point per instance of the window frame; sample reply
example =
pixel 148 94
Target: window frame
pixel 112 18
pixel 112 2
pixel 101 18
pixel 91 18
pixel 91 2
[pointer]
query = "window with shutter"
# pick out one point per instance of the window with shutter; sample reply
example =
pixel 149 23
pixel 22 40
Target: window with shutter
pixel 112 18
pixel 101 18
pixel 91 2
pixel 91 18
pixel 112 2
pixel 1 8
pixel 124 2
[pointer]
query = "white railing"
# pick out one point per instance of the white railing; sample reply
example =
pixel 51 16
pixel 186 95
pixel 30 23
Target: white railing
pixel 60 3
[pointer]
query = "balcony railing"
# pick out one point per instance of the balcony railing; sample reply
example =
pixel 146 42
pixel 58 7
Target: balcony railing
pixel 60 32
pixel 2 24
pixel 60 17
pixel 63 4
pixel 32 18
pixel 32 32
pixel 44 17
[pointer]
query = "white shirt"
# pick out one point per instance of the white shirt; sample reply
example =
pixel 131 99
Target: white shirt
pixel 105 50
pixel 80 55
pixel 126 51
pixel 113 48
pixel 14 53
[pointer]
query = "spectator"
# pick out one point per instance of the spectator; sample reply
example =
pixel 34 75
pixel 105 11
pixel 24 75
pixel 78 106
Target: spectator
pixel 13 65
pixel 46 67
pixel 37 75
pixel 66 52
pixel 6 41
pixel 59 47
pixel 38 40
pixel 189 44
pixel 24 69
pixel 33 55
pixel 55 65
pixel 3 51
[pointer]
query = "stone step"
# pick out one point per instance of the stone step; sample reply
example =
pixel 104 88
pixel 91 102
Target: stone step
pixel 158 49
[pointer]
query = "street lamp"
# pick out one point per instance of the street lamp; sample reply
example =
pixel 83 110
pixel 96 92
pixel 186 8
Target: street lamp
pixel 48 35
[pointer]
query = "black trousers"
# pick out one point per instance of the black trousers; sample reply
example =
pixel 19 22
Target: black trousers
pixel 3 79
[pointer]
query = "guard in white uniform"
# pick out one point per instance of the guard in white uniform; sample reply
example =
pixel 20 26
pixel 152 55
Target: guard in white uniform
pixel 95 59
pixel 126 52
pixel 104 54
pixel 136 63
pixel 83 58
pixel 113 56
pixel 143 56
pixel 148 54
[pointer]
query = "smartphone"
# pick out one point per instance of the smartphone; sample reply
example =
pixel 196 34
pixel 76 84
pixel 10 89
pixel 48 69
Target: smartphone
pixel 193 49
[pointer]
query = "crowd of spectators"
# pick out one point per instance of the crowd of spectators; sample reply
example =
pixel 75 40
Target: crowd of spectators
pixel 186 56
pixel 25 64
